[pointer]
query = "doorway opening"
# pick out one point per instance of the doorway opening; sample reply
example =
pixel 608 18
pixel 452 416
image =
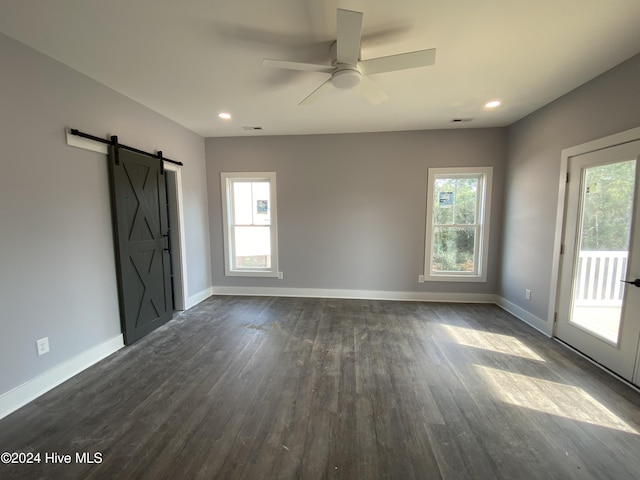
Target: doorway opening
pixel 598 243
pixel 176 235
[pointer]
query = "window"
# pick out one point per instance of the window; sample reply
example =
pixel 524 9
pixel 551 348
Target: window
pixel 250 235
pixel 458 207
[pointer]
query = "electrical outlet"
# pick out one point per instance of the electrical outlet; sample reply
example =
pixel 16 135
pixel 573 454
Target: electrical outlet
pixel 280 275
pixel 527 294
pixel 43 345
pixel 420 278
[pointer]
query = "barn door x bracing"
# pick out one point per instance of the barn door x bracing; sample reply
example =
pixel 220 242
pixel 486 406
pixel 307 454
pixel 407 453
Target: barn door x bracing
pixel 143 258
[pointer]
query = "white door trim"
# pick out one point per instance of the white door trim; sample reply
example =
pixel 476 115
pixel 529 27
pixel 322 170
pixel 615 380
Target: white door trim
pixel 179 253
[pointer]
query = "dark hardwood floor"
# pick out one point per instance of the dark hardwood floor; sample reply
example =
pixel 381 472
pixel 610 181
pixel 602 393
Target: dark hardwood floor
pixel 279 388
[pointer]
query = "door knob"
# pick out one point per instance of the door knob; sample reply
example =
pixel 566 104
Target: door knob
pixel 635 282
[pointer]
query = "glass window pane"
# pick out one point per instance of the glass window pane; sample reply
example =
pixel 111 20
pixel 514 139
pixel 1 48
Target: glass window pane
pixel 443 201
pixel 242 203
pixel 457 224
pixel 466 200
pixel 252 247
pixel 262 208
pixel 250 214
pixel 455 201
pixel 453 249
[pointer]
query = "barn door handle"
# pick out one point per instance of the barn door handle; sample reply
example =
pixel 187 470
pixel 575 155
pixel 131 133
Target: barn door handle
pixel 635 282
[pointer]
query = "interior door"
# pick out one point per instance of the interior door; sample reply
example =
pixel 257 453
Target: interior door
pixel 143 261
pixel 597 312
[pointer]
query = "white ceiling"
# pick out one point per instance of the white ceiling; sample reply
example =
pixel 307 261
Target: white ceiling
pixel 191 59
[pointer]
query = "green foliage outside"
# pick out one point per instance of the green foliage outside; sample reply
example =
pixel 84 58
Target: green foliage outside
pixel 455 202
pixel 607 207
pixel 254 261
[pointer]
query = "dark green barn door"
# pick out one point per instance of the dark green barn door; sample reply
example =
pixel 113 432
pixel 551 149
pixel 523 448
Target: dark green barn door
pixel 143 260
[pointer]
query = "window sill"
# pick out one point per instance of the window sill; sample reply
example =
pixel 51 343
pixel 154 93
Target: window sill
pixel 251 273
pixel 455 278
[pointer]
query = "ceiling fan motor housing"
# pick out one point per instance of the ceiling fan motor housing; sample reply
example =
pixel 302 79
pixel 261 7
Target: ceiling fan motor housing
pixel 346 76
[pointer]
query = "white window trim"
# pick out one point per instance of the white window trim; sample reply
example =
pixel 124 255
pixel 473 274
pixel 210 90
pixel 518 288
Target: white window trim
pixel 483 221
pixel 226 178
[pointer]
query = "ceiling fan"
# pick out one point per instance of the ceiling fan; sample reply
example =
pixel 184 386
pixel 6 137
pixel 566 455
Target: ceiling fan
pixel 347 70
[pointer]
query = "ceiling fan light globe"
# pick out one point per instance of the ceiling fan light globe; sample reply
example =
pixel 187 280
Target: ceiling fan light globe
pixel 345 79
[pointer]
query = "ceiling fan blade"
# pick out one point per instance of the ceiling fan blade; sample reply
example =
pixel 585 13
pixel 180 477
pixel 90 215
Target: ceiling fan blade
pixel 402 61
pixel 371 91
pixel 348 36
pixel 319 92
pixel 305 67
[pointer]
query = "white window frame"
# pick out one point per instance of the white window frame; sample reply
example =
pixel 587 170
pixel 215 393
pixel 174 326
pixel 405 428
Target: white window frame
pixel 483 214
pixel 227 180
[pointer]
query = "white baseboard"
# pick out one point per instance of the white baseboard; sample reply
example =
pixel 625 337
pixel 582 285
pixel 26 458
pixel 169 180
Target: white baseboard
pixel 356 294
pixel 193 300
pixel 32 389
pixel 521 314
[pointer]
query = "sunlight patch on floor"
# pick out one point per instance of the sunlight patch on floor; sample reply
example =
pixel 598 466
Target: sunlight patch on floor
pixel 550 397
pixel 495 342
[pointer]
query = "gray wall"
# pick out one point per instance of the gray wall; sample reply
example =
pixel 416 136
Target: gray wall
pixel 57 276
pixel 606 105
pixel 351 207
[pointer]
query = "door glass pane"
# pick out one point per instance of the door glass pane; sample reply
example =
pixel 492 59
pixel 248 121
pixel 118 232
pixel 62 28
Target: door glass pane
pixel 603 248
pixel 252 247
pixel 453 249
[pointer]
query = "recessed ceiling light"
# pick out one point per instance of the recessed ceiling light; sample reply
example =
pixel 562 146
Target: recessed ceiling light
pixel 492 104
pixel 224 115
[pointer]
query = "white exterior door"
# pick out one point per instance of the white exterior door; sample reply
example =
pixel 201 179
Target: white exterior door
pixel 598 314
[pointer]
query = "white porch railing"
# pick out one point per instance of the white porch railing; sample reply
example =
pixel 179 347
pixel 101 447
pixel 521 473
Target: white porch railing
pixel 598 278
